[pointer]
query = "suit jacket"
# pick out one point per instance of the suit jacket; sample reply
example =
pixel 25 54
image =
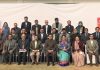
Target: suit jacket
pixel 69 29
pixel 79 27
pixel 95 37
pixel 50 45
pixel 9 45
pixel 59 27
pixel 38 47
pixel 27 27
pixel 56 37
pixel 91 47
pixel 85 37
pixel 34 28
pixel 48 30
pixel 26 44
pixel 43 39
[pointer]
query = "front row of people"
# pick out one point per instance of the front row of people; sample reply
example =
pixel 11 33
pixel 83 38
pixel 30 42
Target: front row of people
pixel 64 51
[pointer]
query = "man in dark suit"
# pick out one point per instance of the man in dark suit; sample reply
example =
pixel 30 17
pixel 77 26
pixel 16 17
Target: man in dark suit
pixel 26 25
pixel 69 28
pixel 55 35
pixel 47 28
pixel 85 36
pixel 96 35
pixel 50 46
pixel 42 36
pixel 36 27
pixel 23 49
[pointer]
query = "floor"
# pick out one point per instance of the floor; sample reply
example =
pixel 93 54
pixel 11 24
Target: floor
pixel 45 67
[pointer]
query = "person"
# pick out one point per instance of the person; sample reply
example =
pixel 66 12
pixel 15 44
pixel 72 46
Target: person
pixel 42 36
pixel 17 30
pixel 80 28
pixel 92 49
pixel 5 31
pixel 57 25
pixel 50 46
pixel 36 27
pixel 47 27
pixel 1 43
pixel 23 49
pixel 63 32
pixel 77 52
pixel 32 35
pixel 35 47
pixel 69 28
pixel 96 35
pixel 55 35
pixel 26 25
pixel 9 48
pixel 64 51
pixel 85 36
pixel 14 35
pixel 73 35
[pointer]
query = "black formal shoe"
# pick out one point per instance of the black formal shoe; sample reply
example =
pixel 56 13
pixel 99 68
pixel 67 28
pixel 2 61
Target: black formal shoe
pixel 48 64
pixel 24 63
pixel 53 64
pixel 37 63
pixel 19 63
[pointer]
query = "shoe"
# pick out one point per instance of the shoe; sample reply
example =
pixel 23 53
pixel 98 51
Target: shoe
pixel 33 63
pixel 37 63
pixel 53 64
pixel 48 64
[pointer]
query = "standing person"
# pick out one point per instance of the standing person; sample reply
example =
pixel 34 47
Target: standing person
pixel 57 25
pixel 36 27
pixel 80 28
pixel 17 30
pixel 77 52
pixel 47 27
pixel 69 28
pixel 64 51
pixel 26 25
pixel 5 31
pixel 50 46
pixel 92 49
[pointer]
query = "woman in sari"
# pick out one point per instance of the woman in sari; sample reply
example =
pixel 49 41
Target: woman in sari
pixel 64 51
pixel 77 52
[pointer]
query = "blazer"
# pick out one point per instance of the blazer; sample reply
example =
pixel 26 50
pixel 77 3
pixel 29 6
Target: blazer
pixel 27 27
pixel 59 27
pixel 34 28
pixel 38 47
pixel 91 47
pixel 48 30
pixel 94 34
pixel 26 44
pixel 69 28
pixel 43 39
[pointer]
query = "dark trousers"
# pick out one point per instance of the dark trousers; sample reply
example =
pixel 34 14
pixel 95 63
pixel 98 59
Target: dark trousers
pixel 52 55
pixel 7 57
pixel 96 57
pixel 22 57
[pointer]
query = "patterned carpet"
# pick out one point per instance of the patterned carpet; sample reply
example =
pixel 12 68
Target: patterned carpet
pixel 45 67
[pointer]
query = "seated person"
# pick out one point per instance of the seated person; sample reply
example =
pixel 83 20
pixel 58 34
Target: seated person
pixel 35 47
pixel 64 51
pixel 50 46
pixel 9 49
pixel 23 49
